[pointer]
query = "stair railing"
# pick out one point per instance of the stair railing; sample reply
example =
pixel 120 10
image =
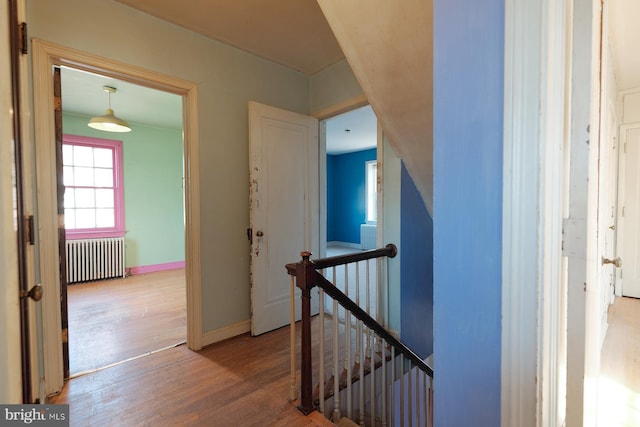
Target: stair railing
pixel 374 377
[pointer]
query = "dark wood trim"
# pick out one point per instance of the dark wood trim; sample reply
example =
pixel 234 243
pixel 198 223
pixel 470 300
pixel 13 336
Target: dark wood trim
pixel 306 279
pixel 62 239
pixel 390 251
pixel 15 38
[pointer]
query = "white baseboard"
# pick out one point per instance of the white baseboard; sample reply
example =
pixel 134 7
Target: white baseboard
pixel 230 331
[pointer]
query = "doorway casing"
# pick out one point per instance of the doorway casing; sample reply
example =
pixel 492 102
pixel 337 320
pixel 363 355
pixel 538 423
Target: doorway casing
pixel 46 55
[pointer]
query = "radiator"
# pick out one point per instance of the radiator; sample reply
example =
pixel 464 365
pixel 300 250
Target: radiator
pixel 367 236
pixel 95 259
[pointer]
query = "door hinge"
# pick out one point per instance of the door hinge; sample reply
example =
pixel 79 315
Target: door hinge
pixel 65 335
pixel 23 40
pixel 30 234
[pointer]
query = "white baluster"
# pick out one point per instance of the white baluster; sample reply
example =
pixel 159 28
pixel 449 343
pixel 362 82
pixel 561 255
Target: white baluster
pixel 336 365
pixel 410 393
pixel 348 363
pixel 424 398
pixel 392 401
pixel 361 382
pixel 431 401
pixel 321 358
pixel 384 384
pixel 417 398
pixel 372 374
pixel 402 390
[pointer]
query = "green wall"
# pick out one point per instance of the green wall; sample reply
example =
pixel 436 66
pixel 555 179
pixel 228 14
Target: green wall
pixel 153 203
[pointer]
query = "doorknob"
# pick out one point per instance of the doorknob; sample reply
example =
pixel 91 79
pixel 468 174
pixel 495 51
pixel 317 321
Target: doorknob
pixel 259 233
pixel 34 293
pixel 613 227
pixel 617 262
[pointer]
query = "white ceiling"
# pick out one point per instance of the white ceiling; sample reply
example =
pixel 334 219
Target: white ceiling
pixel 82 93
pixel 352 131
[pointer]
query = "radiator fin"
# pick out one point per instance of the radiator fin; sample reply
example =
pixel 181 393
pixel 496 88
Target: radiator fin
pixel 95 259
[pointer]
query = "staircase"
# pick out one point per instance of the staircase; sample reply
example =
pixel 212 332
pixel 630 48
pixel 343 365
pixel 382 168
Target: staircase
pixel 352 367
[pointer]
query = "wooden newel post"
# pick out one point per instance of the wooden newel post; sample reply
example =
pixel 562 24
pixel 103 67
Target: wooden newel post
pixel 305 280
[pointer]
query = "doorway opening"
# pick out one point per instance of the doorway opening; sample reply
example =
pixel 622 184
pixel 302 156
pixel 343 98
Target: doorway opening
pixel 351 181
pixel 47 55
pixel 124 217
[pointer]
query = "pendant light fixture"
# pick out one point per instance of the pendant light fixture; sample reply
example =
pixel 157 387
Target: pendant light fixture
pixel 109 122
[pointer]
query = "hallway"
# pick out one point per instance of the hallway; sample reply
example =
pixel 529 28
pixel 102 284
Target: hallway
pixel 619 384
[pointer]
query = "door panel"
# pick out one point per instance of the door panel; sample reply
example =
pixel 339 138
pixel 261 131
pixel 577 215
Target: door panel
pixel 284 215
pixel 630 236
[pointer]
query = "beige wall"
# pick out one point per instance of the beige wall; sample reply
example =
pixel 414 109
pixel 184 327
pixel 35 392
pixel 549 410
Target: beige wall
pixel 334 86
pixel 227 79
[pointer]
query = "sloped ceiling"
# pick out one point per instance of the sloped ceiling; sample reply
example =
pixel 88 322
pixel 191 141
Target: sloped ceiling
pixel 390 50
pixel 624 31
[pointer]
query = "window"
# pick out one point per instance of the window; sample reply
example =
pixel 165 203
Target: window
pixel 93 193
pixel 371 173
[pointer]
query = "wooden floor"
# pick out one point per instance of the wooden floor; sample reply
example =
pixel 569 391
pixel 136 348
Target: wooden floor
pixel 114 320
pixel 619 384
pixel 243 381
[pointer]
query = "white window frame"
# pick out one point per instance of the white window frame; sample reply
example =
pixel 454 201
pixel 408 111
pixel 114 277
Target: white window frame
pixel 118 229
pixel 371 185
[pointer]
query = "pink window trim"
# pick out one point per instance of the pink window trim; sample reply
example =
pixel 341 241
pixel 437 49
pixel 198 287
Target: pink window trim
pixel 118 230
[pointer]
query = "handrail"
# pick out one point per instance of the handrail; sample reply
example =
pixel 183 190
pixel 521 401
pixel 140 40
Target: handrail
pixel 389 251
pixel 306 279
pixel 362 315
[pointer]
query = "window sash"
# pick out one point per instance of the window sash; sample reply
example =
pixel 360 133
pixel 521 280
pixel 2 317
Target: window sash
pixel 103 214
pixel 371 179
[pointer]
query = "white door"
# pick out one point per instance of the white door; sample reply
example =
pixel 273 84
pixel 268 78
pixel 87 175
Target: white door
pixel 607 198
pixel 630 221
pixel 284 208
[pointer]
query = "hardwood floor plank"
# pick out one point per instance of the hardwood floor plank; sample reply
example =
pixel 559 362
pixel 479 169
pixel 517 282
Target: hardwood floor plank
pixel 114 320
pixel 243 381
pixel 619 382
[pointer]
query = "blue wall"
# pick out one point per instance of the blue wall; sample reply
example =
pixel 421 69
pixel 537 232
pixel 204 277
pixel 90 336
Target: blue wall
pixel 346 194
pixel 467 216
pixel 416 269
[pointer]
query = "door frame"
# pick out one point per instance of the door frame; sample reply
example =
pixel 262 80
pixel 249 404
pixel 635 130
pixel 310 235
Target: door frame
pixel 45 56
pixel 620 220
pixel 537 117
pixel 322 116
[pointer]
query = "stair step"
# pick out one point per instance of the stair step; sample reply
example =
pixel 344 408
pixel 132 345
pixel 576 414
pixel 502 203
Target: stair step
pixel 355 376
pixel 319 420
pixel 346 422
